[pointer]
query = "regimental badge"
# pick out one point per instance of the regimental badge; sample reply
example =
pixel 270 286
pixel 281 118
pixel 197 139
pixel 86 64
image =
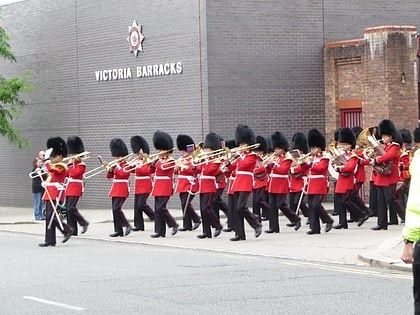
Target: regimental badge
pixel 135 38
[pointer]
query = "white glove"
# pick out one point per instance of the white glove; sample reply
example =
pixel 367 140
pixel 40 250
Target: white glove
pixel 48 153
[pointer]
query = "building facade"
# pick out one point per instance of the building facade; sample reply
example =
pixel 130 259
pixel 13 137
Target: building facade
pixel 202 66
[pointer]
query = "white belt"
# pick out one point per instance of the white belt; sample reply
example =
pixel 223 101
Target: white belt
pixel 190 178
pixel 316 176
pixel 244 173
pixel 59 186
pixel 120 181
pixel 207 177
pixel 279 176
pixel 72 180
pixel 162 177
pixel 142 177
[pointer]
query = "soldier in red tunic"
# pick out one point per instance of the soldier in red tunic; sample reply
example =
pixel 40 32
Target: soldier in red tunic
pixel 242 186
pixel 163 168
pixel 187 183
pixel 57 172
pixel 230 175
pixel 120 186
pixel 260 206
pixel 207 171
pixel 142 182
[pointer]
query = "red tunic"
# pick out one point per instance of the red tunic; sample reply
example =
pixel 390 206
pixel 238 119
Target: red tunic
pixel 362 162
pixel 404 166
pixel 143 179
pixel 163 178
pixel 297 179
pixel 279 176
pixel 260 174
pixel 345 180
pixel 392 153
pixel 187 179
pixel 245 166
pixel 54 183
pixel 317 174
pixel 120 184
pixel 207 176
pixel 75 179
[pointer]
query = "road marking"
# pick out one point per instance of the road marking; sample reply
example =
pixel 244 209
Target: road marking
pixel 352 270
pixel 71 307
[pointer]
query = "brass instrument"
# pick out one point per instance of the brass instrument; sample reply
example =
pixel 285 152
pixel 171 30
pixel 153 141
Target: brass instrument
pixel 105 166
pixel 240 149
pixel 81 156
pixel 38 172
pixel 268 159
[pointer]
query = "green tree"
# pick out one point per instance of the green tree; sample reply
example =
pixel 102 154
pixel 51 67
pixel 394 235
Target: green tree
pixel 11 104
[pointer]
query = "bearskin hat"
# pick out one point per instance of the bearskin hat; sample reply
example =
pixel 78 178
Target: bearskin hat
pixel 357 130
pixel 118 147
pixel 75 145
pixel 139 143
pixel 162 141
pixel 230 144
pixel 244 135
pixel 269 144
pixel 182 141
pixel 398 137
pixel 417 135
pixel 58 145
pixel 386 127
pixel 212 141
pixel 279 141
pixel 263 144
pixel 336 133
pixel 316 139
pixel 346 135
pixel 300 142
pixel 406 135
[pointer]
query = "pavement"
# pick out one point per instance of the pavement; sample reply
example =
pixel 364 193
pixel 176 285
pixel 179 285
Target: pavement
pixel 355 246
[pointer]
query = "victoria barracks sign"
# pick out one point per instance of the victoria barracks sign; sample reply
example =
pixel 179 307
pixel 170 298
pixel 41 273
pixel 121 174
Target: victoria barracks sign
pixel 135 39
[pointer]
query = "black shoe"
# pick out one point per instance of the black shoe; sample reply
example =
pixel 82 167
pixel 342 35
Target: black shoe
pixel 334 213
pixel 328 227
pixel 218 231
pixel 229 229
pixel 297 225
pixel 236 238
pixel 310 232
pixel 67 235
pixel 115 234
pixel 351 220
pixel 201 236
pixel 339 227
pixel 136 229
pixel 156 235
pixel 128 230
pixel 258 230
pixel 393 223
pixel 196 225
pixel 46 244
pixel 290 224
pixel 183 229
pixel 362 220
pixel 85 227
pixel 270 231
pixel 378 227
pixel 264 219
pixel 175 229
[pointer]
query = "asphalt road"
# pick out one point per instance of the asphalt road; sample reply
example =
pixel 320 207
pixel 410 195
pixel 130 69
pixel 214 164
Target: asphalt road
pixel 96 277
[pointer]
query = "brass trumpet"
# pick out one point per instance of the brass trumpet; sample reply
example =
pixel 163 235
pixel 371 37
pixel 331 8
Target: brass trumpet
pixel 105 166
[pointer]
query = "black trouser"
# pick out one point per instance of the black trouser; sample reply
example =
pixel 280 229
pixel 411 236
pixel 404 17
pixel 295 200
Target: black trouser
pixel 315 206
pixel 188 211
pixel 294 198
pixel 219 204
pixel 345 203
pixel 73 214
pixel 373 199
pixel 242 212
pixel 356 200
pixel 416 278
pixel 395 208
pixel 208 216
pixel 259 202
pixel 140 206
pixel 278 201
pixel 384 199
pixel 118 216
pixel 231 211
pixel 162 215
pixel 50 236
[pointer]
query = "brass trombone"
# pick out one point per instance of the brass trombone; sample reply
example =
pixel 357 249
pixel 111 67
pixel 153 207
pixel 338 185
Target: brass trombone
pixel 38 172
pixel 105 166
pixel 81 156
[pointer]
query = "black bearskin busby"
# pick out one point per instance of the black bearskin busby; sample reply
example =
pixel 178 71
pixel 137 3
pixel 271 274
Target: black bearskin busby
pixel 58 145
pixel 316 139
pixel 230 144
pixel 162 141
pixel 212 141
pixel 386 127
pixel 269 144
pixel 346 135
pixel 244 135
pixel 300 142
pixel 357 130
pixel 279 141
pixel 75 145
pixel 182 141
pixel 118 147
pixel 336 133
pixel 263 144
pixel 406 135
pixel 139 143
pixel 398 138
pixel 416 134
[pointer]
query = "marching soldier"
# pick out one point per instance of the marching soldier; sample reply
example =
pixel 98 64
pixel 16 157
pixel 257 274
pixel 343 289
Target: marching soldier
pixel 405 158
pixel 57 171
pixel 163 168
pixel 120 186
pixel 242 187
pixel 260 206
pixel 142 183
pixel 187 183
pixel 230 174
pixel 75 185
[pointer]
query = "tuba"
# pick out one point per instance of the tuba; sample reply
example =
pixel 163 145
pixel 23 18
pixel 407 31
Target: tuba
pixel 373 147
